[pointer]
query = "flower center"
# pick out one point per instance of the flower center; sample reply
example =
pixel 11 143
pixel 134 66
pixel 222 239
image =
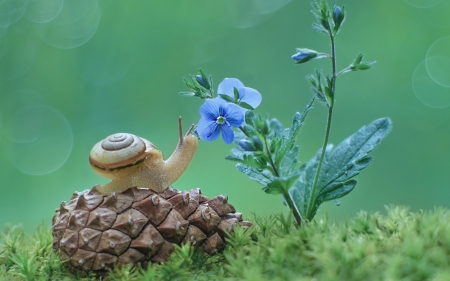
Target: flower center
pixel 221 120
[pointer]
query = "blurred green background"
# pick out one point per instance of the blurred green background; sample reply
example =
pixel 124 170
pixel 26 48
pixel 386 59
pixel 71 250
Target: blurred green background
pixel 74 71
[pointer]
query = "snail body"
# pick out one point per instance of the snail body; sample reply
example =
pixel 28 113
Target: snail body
pixel 133 161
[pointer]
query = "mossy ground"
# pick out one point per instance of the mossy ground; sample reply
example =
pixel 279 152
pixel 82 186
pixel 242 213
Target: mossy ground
pixel 397 246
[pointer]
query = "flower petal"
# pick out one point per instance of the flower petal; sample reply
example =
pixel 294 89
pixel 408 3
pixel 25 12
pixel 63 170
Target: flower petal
pixel 227 86
pixel 250 96
pixel 208 130
pixel 227 134
pixel 234 115
pixel 211 109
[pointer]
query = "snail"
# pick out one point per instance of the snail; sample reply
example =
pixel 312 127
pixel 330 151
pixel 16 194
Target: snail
pixel 132 161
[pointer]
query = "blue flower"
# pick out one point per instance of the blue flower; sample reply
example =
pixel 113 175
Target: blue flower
pixel 246 95
pixel 218 115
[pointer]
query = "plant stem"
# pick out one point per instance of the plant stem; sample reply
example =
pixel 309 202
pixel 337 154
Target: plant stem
pixel 295 212
pixel 286 195
pixel 269 155
pixel 327 131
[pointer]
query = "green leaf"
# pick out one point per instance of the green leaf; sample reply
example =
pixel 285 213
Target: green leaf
pixel 227 98
pixel 236 94
pixel 249 117
pixel 189 83
pixel 358 59
pixel 338 167
pixel 289 161
pixel 280 185
pixel 233 158
pixel 187 94
pixel 338 191
pixel 275 126
pixel 205 78
pixel 319 28
pixel 250 130
pixel 320 96
pixel 329 96
pixel 262 177
pixel 364 65
pixel 312 80
pixel 245 105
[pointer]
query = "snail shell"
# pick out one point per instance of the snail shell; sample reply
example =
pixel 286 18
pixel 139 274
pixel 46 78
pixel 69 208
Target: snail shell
pixel 120 155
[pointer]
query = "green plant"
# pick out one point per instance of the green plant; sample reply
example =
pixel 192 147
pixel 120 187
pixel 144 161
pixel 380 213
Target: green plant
pixel 267 153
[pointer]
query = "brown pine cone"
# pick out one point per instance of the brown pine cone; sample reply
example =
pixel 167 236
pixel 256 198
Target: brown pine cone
pixel 97 232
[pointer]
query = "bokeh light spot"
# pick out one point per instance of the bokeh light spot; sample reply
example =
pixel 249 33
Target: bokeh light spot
pixel 42 11
pixel 43 149
pixel 427 90
pixel 438 61
pixel 73 28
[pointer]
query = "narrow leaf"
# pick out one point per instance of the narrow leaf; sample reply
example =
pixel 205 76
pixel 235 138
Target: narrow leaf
pixel 187 94
pixel 236 94
pixel 189 83
pixel 245 105
pixel 319 28
pixel 227 98
pixel 205 78
pixel 358 59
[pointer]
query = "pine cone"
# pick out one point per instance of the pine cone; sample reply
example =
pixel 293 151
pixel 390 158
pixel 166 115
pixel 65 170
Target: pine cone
pixel 96 232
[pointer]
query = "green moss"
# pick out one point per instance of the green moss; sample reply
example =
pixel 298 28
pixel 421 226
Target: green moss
pixel 397 246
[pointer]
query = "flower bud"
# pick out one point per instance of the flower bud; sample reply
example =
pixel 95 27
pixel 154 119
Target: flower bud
pixel 338 17
pixel 257 143
pixel 246 145
pixel 201 81
pixel 336 14
pixel 304 55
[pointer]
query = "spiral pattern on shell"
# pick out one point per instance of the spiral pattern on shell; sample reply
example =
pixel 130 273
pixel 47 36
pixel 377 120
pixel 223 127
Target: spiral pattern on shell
pixel 116 153
pixel 119 141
